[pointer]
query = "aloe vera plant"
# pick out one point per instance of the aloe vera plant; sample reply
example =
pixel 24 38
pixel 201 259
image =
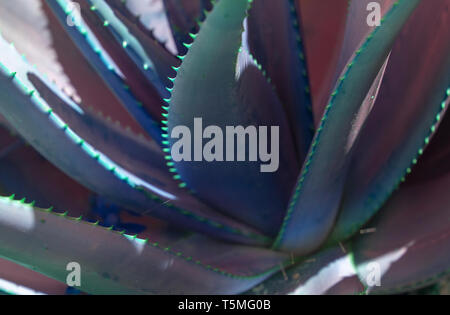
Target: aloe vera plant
pixel 360 192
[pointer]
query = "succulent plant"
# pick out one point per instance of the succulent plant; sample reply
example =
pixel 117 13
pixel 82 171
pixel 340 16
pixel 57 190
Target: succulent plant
pixel 363 177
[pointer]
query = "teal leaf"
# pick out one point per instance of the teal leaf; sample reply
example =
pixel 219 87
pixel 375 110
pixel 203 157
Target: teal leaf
pixel 214 83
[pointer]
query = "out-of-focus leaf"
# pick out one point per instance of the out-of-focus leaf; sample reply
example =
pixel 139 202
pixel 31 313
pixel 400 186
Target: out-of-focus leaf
pixel 114 263
pixel 23 23
pixel 152 16
pixel 127 56
pixel 21 280
pixel 21 167
pixel 100 82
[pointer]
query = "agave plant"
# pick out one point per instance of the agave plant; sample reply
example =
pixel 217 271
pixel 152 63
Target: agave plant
pixel 362 183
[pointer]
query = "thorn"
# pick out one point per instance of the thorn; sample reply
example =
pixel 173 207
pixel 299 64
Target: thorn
pixel 284 272
pixel 342 248
pixel 367 231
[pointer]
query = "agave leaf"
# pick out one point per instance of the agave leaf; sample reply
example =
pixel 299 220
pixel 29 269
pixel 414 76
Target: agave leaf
pixel 151 18
pixel 317 197
pixel 322 26
pixel 21 280
pixel 85 77
pixel 136 153
pixel 330 271
pixel 183 16
pixel 23 23
pixel 411 243
pixel 36 122
pixel 138 156
pixel 383 157
pixel 96 70
pixel 127 56
pixel 413 227
pixel 21 167
pixel 274 24
pixel 225 88
pixel 124 45
pixel 115 263
pixel 357 28
pixel 163 60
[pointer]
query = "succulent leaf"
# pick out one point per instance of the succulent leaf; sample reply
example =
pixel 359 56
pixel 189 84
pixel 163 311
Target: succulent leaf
pixel 208 85
pixel 116 263
pixel 413 225
pixel 48 133
pixel 322 26
pixel 21 167
pixel 184 16
pixel 273 24
pixel 384 156
pixel 316 199
pixel 97 63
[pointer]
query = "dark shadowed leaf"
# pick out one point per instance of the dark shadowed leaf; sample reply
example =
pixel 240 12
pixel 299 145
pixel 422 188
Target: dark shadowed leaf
pixel 183 16
pixel 322 25
pixel 274 41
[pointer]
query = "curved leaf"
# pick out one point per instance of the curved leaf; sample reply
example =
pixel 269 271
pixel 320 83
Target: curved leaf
pixel 94 69
pixel 151 16
pixel 113 263
pixel 21 167
pixel 36 122
pixel 23 23
pixel 331 271
pixel 20 280
pixel 208 86
pixel 316 199
pixel 274 24
pixel 162 59
pixel 322 25
pixel 414 225
pixel 409 106
pixel 183 16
